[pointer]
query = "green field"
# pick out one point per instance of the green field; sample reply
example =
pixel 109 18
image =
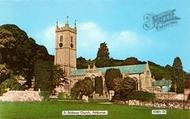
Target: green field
pixel 52 110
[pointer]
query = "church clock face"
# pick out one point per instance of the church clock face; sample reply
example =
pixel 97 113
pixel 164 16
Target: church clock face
pixel 60 45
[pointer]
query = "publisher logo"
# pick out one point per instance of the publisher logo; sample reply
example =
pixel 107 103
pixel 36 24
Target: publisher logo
pixel 160 21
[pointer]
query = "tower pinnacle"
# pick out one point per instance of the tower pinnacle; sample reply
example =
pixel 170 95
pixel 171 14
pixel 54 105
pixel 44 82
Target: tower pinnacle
pixel 75 23
pixel 57 24
pixel 67 22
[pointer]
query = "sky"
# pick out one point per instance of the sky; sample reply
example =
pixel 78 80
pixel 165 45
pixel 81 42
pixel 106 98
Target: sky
pixel 119 23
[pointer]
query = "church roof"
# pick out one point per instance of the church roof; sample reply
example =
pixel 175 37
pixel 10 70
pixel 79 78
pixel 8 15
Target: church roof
pixel 129 69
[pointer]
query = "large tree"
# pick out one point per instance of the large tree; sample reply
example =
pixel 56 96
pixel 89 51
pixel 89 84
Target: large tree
pixel 82 87
pixel 103 58
pixel 4 73
pixel 99 85
pixel 20 52
pixel 110 75
pixel 131 61
pixel 42 71
pixel 47 75
pixel 178 76
pixel 57 76
pixel 11 83
pixel 82 63
pixel 123 88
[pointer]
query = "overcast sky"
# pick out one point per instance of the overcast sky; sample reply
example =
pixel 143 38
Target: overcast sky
pixel 119 23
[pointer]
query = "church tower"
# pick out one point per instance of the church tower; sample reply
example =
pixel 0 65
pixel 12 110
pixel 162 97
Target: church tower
pixel 65 49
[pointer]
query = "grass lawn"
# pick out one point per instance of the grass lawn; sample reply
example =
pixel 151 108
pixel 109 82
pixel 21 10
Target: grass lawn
pixel 52 110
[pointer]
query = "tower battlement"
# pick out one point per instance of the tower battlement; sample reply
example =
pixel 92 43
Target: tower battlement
pixel 65 28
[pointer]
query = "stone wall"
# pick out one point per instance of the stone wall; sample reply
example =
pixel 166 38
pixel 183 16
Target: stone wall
pixel 171 96
pixel 158 104
pixel 13 96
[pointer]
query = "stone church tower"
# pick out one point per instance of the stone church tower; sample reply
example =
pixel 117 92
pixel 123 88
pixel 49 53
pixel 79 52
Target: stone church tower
pixel 65 49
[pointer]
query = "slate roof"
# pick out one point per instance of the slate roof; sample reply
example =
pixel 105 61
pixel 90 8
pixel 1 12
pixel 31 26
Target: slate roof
pixel 129 69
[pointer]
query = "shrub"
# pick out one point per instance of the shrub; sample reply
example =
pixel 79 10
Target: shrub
pixel 143 96
pixel 63 96
pixel 10 83
pixel 123 88
pixel 82 87
pixel 99 85
pixel 110 75
pixel 45 95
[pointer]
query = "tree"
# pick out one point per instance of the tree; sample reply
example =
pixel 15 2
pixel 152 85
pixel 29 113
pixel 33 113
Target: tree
pixel 102 58
pixel 187 83
pixel 4 73
pixel 10 83
pixel 178 76
pixel 57 76
pixel 82 63
pixel 42 71
pixel 177 64
pixel 123 88
pixel 110 75
pixel 47 75
pixel 19 52
pixel 99 85
pixel 131 61
pixel 82 87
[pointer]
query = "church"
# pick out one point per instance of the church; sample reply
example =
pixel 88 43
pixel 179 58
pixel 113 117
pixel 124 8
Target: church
pixel 66 54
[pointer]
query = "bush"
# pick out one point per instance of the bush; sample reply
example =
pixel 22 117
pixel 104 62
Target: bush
pixel 99 85
pixel 143 96
pixel 3 89
pixel 63 96
pixel 82 87
pixel 10 83
pixel 45 95
pixel 110 75
pixel 123 88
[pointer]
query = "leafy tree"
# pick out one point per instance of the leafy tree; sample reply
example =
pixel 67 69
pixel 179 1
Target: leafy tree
pixel 42 71
pixel 47 75
pixel 131 61
pixel 110 75
pixel 6 39
pixel 82 63
pixel 82 87
pixel 117 84
pixel 177 64
pixel 187 83
pixel 160 72
pixel 57 76
pixel 124 88
pixel 102 58
pixel 99 85
pixel 178 76
pixel 10 83
pixel 19 52
pixel 4 73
